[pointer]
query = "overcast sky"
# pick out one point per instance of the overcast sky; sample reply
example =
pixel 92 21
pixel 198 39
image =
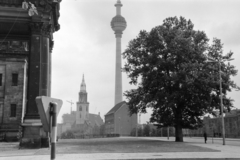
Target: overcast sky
pixel 85 43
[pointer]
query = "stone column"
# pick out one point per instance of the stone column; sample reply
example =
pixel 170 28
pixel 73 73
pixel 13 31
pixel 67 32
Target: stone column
pixel 50 66
pixel 38 85
pixel 34 72
pixel 44 74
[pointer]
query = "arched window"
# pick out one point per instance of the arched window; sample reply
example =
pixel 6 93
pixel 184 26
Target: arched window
pixel 80 115
pixel 87 109
pixel 80 108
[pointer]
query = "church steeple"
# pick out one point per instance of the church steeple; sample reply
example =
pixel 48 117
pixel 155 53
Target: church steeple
pixel 83 92
pixel 82 110
pixel 83 85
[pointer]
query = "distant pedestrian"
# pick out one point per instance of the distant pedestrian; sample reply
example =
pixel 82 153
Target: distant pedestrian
pixel 205 137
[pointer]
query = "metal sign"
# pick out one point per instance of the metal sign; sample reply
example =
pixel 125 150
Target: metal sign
pixel 43 104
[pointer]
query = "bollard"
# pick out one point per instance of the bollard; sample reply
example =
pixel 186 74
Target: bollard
pixel 53 116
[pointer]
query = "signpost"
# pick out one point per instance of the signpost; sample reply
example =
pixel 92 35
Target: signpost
pixel 48 109
pixel 53 114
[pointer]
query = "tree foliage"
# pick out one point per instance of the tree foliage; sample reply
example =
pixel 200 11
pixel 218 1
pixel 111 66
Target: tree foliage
pixel 170 69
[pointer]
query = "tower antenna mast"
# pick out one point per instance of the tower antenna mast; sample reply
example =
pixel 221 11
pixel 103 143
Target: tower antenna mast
pixel 118 25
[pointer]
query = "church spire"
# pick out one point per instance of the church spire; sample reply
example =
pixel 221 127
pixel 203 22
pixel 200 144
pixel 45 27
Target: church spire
pixel 83 85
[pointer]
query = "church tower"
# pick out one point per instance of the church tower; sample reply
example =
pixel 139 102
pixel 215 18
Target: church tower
pixel 82 111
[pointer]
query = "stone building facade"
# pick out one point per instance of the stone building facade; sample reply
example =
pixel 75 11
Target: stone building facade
pixel 13 79
pixel 26 43
pixel 119 121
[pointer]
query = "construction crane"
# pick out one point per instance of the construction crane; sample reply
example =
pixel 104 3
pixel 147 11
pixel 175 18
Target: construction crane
pixel 71 105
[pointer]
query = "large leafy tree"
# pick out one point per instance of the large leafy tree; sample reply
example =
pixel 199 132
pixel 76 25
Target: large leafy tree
pixel 170 69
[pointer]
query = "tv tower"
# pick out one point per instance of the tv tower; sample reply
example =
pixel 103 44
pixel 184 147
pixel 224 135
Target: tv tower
pixel 118 25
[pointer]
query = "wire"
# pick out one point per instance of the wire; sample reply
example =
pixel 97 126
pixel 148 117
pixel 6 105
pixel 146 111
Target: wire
pixel 11 28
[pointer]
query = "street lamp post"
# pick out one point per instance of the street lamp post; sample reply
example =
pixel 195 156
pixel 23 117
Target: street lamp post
pixel 221 102
pixel 221 99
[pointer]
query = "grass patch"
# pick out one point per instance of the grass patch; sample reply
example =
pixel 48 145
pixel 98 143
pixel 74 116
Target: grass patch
pixel 125 145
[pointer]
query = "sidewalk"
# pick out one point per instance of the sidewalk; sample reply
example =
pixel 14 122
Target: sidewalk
pixel 218 138
pixel 9 151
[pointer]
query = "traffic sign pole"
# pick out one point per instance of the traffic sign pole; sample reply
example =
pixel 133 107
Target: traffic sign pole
pixel 48 109
pixel 53 114
pixel 43 104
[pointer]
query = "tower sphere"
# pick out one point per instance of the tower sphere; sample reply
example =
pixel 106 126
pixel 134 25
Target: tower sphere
pixel 118 24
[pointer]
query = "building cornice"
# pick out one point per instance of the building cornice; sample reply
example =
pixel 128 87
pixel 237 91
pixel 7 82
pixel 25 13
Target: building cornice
pixel 48 11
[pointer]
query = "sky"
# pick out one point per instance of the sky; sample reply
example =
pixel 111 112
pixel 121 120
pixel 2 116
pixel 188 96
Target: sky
pixel 85 43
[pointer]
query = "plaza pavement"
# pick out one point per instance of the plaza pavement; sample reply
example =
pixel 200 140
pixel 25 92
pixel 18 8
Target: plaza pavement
pixel 10 151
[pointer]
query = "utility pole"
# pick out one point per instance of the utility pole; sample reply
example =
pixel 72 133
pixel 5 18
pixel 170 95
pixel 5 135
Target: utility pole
pixel 221 102
pixel 221 96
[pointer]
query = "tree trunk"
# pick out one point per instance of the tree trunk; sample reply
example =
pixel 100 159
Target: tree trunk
pixel 178 133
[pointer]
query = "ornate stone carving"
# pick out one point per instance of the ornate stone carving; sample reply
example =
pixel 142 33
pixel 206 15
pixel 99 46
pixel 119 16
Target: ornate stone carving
pixel 51 46
pixel 46 5
pixel 41 28
pixel 47 29
pixel 36 27
pixel 48 9
pixel 14 46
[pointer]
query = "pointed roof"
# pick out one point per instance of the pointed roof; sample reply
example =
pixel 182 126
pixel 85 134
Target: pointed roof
pixel 95 119
pixel 83 85
pixel 116 107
